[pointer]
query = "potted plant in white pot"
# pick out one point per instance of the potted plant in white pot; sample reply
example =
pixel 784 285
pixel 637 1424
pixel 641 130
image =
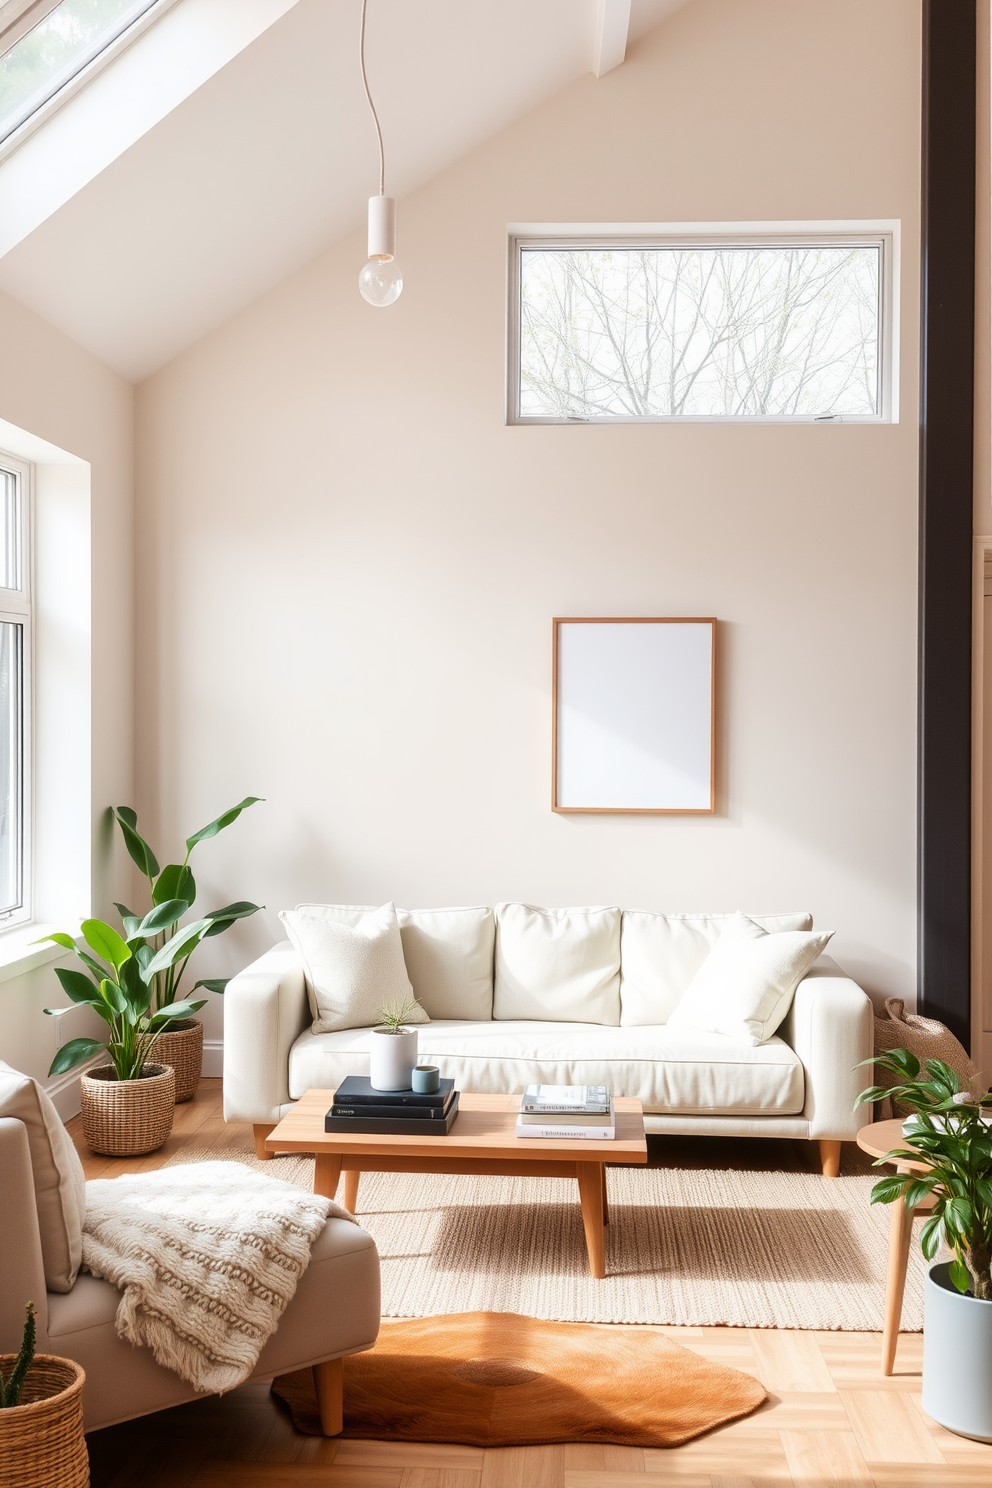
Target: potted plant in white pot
pixel 394 1049
pixel 949 1133
pixel 180 1044
pixel 41 1418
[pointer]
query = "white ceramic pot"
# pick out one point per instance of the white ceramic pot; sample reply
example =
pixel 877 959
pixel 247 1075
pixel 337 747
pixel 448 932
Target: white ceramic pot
pixel 393 1058
pixel 957 1358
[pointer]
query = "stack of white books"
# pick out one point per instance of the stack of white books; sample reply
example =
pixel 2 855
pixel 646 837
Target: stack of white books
pixel 567 1111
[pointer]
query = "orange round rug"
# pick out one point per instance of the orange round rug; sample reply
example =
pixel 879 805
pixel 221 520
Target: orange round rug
pixel 495 1379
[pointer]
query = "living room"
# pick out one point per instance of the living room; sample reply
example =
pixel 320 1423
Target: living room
pixel 291 547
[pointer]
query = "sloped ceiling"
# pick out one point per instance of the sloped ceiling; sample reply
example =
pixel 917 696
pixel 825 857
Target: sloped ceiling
pixel 272 160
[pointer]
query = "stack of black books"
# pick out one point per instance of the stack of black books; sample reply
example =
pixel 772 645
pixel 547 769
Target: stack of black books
pixel 359 1108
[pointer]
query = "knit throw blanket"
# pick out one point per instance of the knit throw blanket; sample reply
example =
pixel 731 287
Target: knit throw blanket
pixel 208 1257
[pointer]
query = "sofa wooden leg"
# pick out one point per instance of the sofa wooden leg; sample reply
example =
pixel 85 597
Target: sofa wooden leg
pixel 261 1132
pixel 830 1158
pixel 328 1381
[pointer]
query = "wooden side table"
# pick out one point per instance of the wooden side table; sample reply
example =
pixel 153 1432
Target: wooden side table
pixel 879 1140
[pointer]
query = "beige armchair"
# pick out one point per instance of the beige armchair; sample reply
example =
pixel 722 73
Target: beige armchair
pixel 334 1312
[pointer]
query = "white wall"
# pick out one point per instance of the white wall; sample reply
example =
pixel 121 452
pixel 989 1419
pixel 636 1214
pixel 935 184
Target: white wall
pixel 52 393
pixel 348 565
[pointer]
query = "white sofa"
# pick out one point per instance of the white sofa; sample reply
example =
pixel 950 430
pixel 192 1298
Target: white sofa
pixel 489 1033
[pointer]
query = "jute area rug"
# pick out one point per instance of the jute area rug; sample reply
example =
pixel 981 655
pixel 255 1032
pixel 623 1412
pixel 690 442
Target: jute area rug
pixel 715 1231
pixel 495 1379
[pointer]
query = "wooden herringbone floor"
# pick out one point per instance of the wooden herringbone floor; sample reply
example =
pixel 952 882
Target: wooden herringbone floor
pixel 831 1420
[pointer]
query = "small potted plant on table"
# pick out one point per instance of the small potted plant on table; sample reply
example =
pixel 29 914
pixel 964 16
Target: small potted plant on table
pixel 949 1134
pixel 394 1049
pixel 41 1418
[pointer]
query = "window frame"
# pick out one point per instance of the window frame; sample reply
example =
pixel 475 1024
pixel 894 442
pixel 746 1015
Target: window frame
pixel 882 234
pixel 16 606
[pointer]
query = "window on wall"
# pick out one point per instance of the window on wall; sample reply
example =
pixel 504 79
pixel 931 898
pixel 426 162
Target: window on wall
pixel 632 329
pixel 15 653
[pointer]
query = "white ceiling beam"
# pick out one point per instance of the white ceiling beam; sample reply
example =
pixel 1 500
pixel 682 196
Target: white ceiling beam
pixel 609 45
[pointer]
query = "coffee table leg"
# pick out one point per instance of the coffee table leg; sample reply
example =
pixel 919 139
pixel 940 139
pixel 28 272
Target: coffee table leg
pixel 900 1235
pixel 590 1176
pixel 351 1177
pixel 606 1198
pixel 327 1171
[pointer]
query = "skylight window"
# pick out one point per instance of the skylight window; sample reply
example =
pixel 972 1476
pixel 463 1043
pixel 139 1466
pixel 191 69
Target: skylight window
pixel 65 40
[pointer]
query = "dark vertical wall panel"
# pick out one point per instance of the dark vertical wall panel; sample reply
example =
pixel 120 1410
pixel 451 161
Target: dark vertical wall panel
pixel 947 392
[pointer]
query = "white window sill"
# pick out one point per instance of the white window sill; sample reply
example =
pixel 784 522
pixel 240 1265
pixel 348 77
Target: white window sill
pixel 18 954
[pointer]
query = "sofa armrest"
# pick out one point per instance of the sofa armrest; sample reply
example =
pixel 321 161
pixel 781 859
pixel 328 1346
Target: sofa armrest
pixel 265 1011
pixel 23 1268
pixel 830 1028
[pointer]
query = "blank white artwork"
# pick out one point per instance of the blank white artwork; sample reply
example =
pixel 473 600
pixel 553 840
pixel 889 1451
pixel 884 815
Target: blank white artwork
pixel 634 715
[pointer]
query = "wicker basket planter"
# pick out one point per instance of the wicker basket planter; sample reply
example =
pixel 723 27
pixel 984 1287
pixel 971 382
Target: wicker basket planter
pixel 41 1440
pixel 124 1118
pixel 181 1047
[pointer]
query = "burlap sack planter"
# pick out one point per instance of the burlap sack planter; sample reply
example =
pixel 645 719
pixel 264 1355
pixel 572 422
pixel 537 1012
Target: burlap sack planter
pixel 41 1440
pixel 181 1047
pixel 124 1118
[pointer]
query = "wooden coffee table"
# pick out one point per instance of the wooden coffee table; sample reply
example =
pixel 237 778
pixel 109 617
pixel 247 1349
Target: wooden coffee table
pixel 482 1140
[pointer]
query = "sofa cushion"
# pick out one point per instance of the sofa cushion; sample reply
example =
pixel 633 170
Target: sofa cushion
pixel 557 965
pixel 745 986
pixel 59 1185
pixel 661 953
pixel 448 954
pixel 667 1070
pixel 353 972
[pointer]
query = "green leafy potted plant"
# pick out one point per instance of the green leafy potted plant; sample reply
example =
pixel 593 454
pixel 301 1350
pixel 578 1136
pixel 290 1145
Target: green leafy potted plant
pixel 127 1105
pixel 950 1135
pixel 41 1418
pixel 181 1043
pixel 394 1048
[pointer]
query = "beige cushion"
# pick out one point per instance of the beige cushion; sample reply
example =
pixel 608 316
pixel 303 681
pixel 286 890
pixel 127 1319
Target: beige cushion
pixel 745 986
pixel 661 953
pixel 559 965
pixel 59 1185
pixel 448 954
pixel 666 1069
pixel 353 972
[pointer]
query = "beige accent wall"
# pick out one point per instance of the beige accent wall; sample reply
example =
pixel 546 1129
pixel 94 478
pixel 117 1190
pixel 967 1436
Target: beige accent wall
pixel 348 564
pixel 55 391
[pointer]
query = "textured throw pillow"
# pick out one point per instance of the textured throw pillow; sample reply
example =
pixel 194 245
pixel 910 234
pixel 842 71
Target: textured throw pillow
pixel 353 972
pixel 557 965
pixel 745 986
pixel 59 1185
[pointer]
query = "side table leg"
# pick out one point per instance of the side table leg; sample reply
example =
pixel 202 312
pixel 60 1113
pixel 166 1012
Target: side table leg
pixel 351 1178
pixel 606 1198
pixel 900 1235
pixel 590 1176
pixel 326 1172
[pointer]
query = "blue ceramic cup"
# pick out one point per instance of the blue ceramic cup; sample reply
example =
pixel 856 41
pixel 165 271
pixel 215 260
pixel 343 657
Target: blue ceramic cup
pixel 426 1079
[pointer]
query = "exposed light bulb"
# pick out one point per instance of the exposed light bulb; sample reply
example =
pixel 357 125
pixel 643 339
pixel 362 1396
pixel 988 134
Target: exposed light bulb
pixel 381 281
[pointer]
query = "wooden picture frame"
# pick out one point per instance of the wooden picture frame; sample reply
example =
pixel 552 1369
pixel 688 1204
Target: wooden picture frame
pixel 633 715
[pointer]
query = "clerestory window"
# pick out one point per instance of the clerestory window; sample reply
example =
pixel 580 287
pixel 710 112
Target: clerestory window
pixel 781 328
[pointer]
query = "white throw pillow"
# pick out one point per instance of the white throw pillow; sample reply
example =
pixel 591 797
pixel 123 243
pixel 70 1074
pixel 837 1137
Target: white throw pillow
pixel 745 986
pixel 661 953
pixel 448 955
pixel 59 1185
pixel 557 965
pixel 353 972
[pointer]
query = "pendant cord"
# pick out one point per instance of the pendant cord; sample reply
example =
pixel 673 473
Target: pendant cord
pixel 368 95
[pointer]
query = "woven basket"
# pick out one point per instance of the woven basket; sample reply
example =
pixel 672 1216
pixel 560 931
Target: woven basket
pixel 41 1440
pixel 181 1047
pixel 124 1118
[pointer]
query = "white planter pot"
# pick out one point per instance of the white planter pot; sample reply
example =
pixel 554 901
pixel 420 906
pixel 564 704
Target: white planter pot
pixel 393 1058
pixel 957 1358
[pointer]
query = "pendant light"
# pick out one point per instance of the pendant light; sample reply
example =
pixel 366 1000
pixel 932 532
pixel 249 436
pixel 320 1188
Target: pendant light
pixel 381 281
